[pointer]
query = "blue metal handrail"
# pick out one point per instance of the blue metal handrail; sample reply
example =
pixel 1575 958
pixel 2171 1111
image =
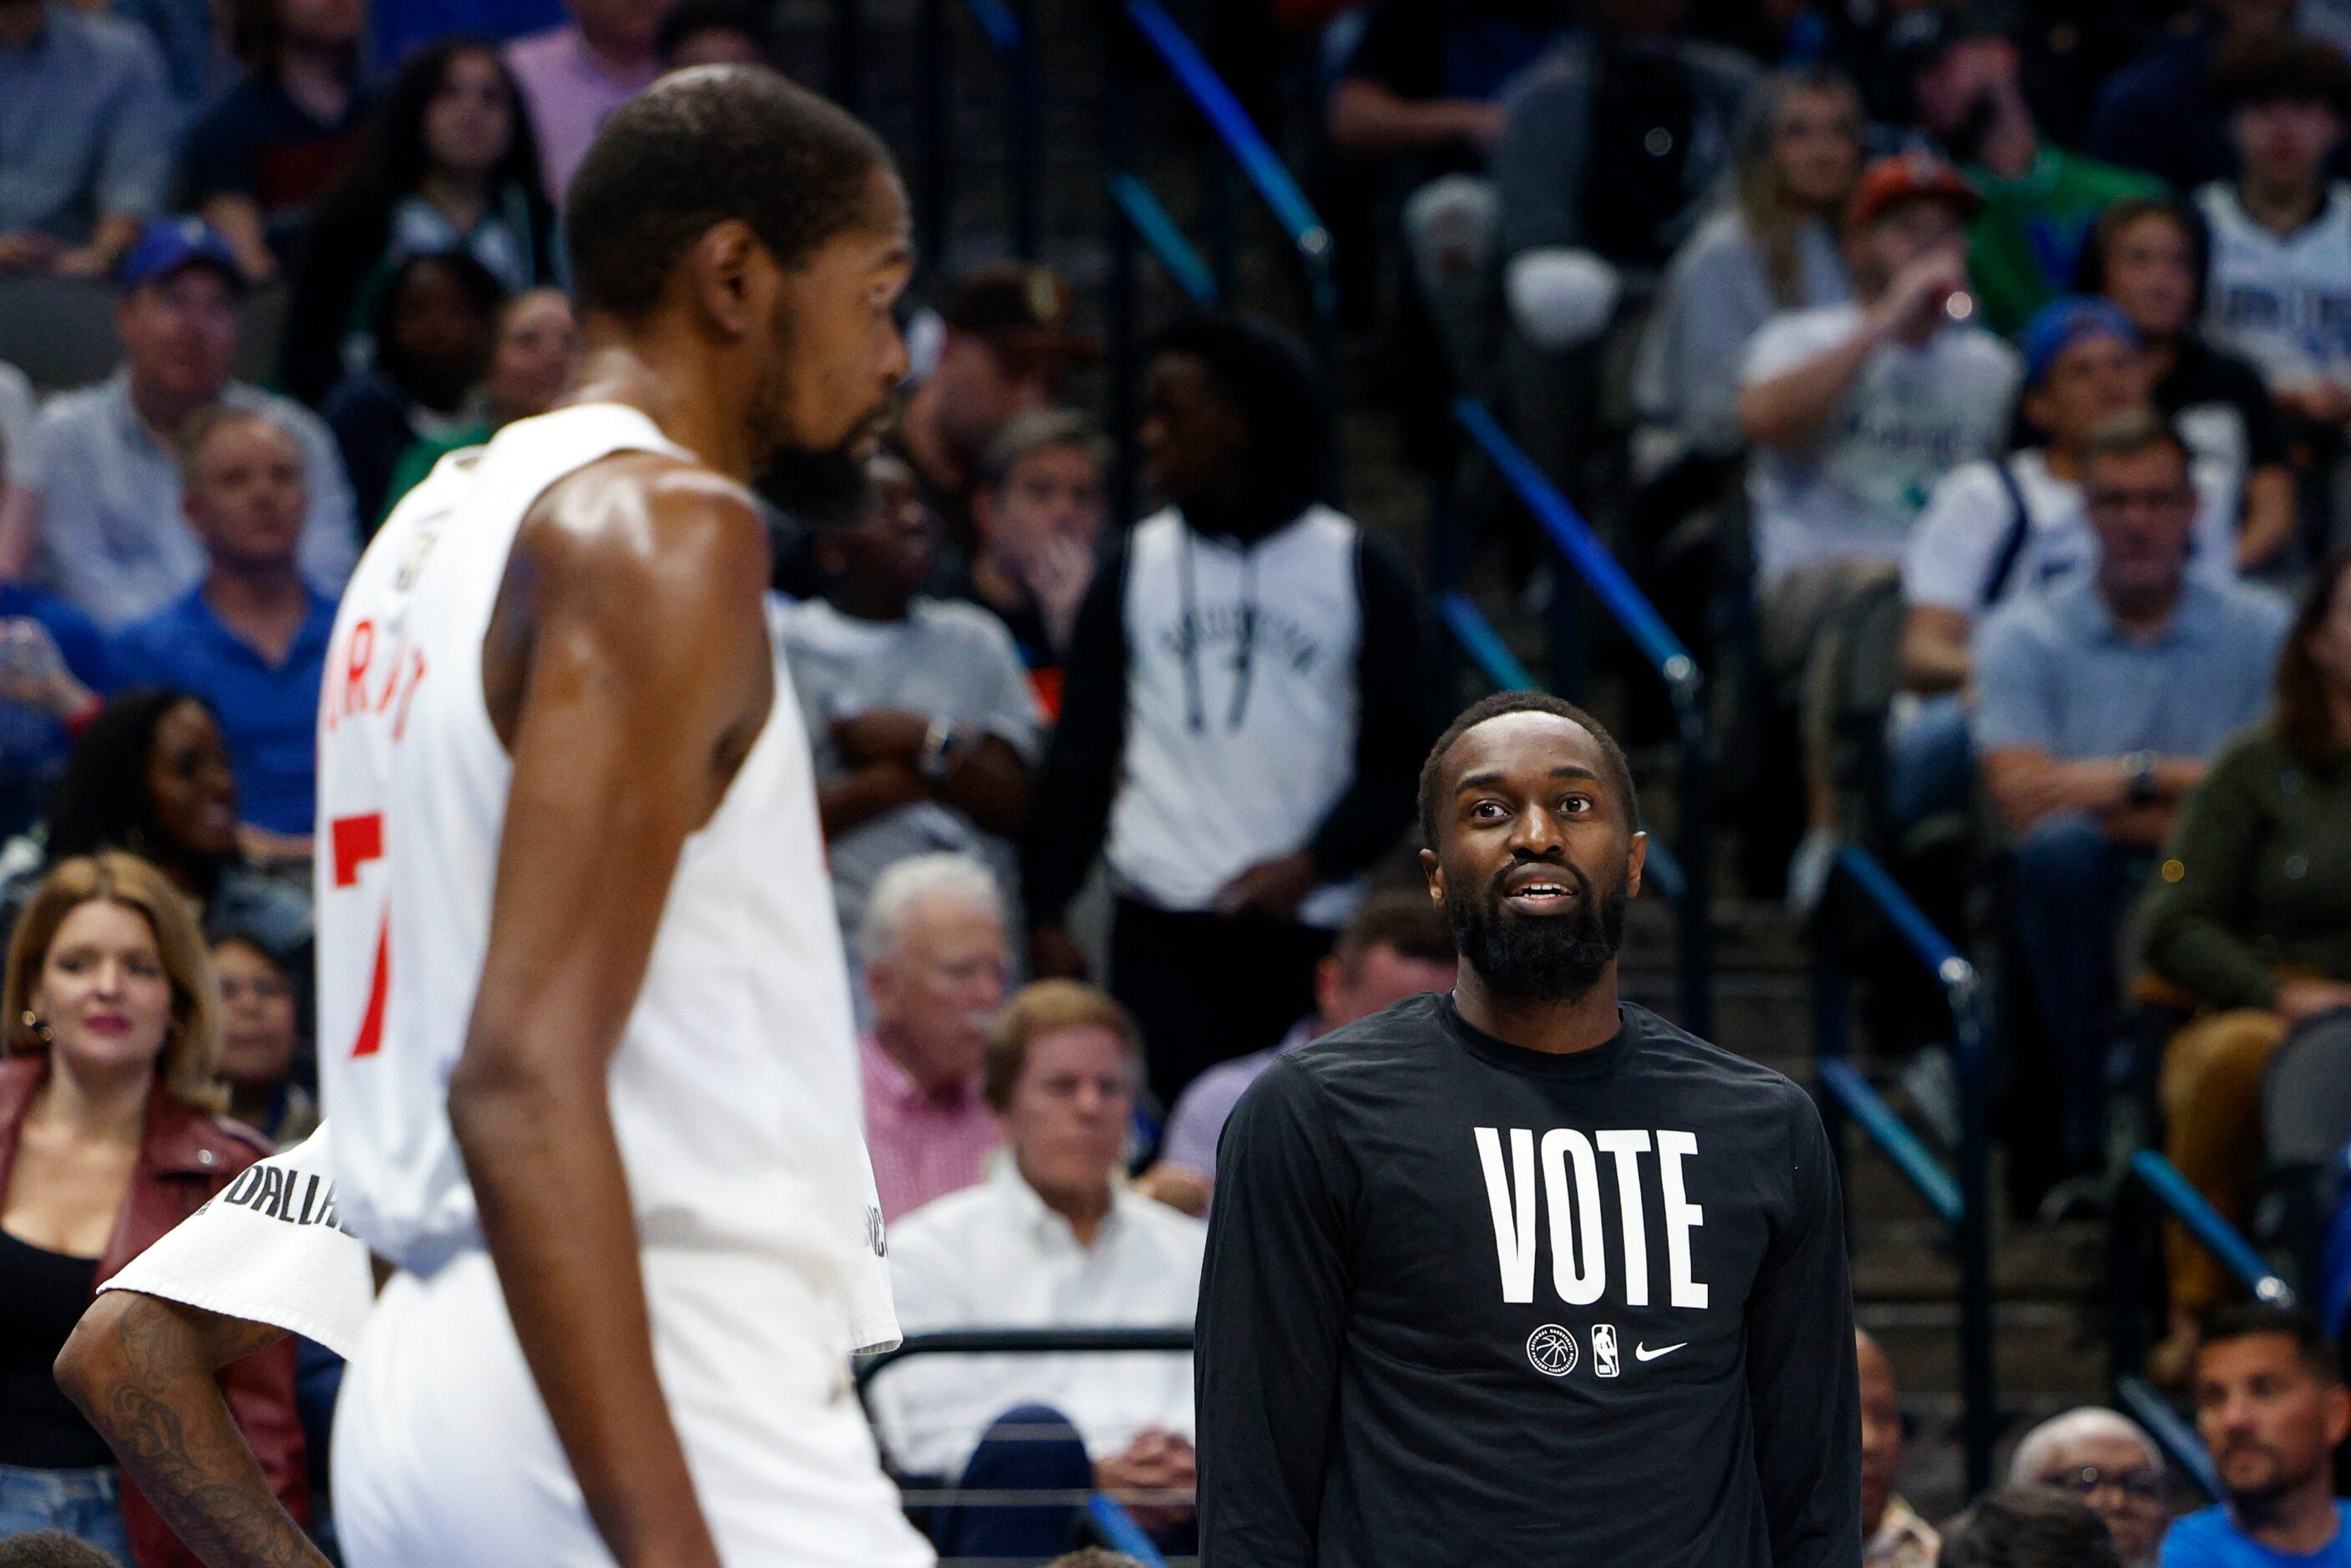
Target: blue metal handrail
pixel 1963 1200
pixel 1893 1135
pixel 1010 37
pixel 1117 1525
pixel 1258 162
pixel 1137 212
pixel 1690 878
pixel 1118 1528
pixel 1163 238
pixel 1592 559
pixel 2179 1441
pixel 2210 1226
pixel 1483 643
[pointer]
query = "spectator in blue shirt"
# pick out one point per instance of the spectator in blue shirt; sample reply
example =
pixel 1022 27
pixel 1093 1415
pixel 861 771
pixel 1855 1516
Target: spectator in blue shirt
pixel 109 476
pixel 55 667
pixel 260 158
pixel 86 120
pixel 2097 705
pixel 251 639
pixel 2272 1408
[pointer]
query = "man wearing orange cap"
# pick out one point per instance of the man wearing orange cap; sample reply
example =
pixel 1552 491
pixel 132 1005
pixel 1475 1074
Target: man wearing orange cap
pixel 1856 410
pixel 1010 340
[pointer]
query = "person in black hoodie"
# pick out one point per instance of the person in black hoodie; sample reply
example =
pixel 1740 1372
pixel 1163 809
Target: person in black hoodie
pixel 1245 704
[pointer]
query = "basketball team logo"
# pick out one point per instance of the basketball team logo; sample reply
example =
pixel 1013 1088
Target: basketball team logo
pixel 1550 1350
pixel 1603 1350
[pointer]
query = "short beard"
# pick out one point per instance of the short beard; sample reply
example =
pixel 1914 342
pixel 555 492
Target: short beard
pixel 1540 957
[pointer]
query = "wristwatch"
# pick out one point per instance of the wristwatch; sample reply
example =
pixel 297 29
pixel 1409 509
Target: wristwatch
pixel 940 743
pixel 2138 777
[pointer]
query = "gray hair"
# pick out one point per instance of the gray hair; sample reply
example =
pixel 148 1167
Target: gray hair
pixel 910 883
pixel 1034 433
pixel 2073 1426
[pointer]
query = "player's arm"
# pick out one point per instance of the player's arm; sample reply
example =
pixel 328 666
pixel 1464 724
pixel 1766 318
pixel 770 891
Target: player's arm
pixel 632 622
pixel 1803 1384
pixel 146 1371
pixel 1274 1302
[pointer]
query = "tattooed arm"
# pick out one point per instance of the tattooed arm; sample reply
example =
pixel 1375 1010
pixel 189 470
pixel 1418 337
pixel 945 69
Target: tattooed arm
pixel 144 1370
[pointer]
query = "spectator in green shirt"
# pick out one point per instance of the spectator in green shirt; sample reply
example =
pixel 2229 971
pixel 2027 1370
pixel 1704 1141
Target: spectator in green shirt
pixel 537 343
pixel 2248 920
pixel 2040 199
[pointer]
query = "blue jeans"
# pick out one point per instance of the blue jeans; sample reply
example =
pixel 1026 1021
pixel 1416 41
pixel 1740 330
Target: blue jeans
pixel 84 1504
pixel 1929 763
pixel 1033 1448
pixel 2071 881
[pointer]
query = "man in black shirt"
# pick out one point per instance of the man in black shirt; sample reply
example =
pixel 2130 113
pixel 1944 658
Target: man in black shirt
pixel 1523 1271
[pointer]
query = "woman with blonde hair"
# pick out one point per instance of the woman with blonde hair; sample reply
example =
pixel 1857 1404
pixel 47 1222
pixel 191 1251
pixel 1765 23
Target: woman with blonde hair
pixel 1771 247
pixel 110 1135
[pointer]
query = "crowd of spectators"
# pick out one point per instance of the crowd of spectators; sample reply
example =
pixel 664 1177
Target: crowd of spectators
pixel 2007 370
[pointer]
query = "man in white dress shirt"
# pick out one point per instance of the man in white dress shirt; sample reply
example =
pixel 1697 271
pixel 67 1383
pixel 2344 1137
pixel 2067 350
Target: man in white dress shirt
pixel 1052 1239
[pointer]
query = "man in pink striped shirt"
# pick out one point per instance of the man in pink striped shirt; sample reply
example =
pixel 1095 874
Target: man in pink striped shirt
pixel 937 962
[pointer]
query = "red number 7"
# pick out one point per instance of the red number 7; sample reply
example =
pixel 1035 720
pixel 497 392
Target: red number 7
pixel 355 841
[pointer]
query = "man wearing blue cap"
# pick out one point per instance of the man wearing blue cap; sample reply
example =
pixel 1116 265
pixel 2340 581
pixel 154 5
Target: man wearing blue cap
pixel 118 539
pixel 2097 702
pixel 2004 526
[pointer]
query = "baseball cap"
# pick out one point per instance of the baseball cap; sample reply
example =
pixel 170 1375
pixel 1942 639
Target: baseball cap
pixel 1907 177
pixel 1022 307
pixel 1916 39
pixel 2059 324
pixel 169 244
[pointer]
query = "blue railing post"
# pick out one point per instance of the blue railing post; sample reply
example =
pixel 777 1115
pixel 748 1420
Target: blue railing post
pixel 1022 148
pixel 846 69
pixel 1696 844
pixel 1118 145
pixel 1971 1220
pixel 1970 1051
pixel 1581 550
pixel 933 201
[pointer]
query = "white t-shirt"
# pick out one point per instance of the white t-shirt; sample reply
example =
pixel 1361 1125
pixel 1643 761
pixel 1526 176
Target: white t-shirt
pixel 1966 526
pixel 994 1256
pixel 2283 301
pixel 1912 416
pixel 268 1247
pixel 1969 519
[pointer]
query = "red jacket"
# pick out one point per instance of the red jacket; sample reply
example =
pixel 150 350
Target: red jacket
pixel 185 1156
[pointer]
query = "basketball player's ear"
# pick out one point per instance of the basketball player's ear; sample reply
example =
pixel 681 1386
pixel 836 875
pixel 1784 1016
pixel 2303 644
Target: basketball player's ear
pixel 735 279
pixel 1633 862
pixel 1430 869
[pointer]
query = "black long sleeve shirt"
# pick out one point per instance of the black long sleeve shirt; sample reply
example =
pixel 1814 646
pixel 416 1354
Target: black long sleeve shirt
pixel 1469 1303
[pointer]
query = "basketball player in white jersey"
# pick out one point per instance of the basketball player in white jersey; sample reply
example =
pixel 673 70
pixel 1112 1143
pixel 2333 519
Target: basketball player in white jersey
pixel 583 1014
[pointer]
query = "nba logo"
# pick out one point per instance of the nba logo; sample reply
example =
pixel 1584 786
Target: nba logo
pixel 1603 1350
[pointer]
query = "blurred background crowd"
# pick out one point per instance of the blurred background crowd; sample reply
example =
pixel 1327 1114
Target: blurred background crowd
pixel 1967 386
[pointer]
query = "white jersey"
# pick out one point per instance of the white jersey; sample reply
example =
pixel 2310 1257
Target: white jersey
pixel 268 1247
pixel 2283 301
pixel 735 1091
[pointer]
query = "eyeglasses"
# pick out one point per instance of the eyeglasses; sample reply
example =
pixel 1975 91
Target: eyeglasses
pixel 2119 502
pixel 260 990
pixel 2138 1485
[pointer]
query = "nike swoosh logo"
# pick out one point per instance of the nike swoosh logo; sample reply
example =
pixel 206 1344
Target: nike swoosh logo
pixel 1643 1353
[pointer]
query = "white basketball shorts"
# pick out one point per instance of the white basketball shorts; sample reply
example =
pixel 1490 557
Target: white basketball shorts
pixel 445 1456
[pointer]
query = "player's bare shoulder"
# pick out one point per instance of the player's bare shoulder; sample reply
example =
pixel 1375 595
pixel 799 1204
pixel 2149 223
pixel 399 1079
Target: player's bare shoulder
pixel 643 556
